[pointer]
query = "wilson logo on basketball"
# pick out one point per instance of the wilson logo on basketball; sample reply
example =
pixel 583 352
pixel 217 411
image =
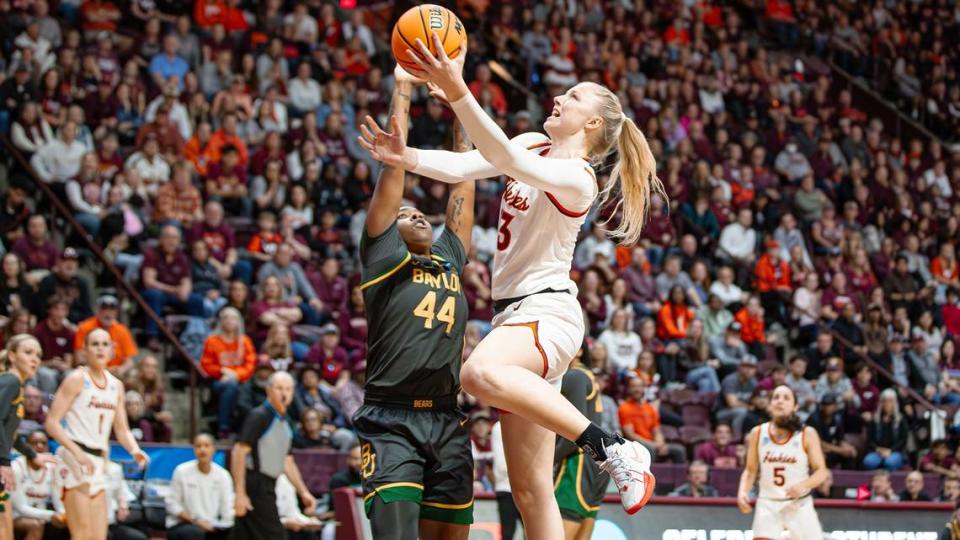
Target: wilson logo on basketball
pixel 436 18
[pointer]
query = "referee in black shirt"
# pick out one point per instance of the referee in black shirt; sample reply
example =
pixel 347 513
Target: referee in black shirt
pixel 260 455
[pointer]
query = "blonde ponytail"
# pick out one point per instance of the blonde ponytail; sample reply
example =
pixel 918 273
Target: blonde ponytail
pixel 636 174
pixel 633 180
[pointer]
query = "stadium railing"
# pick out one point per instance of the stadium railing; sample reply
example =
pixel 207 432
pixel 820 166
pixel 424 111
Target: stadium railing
pixel 61 210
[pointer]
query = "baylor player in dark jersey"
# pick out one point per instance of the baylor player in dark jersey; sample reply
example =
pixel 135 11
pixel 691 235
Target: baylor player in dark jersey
pixel 416 462
pixel 579 483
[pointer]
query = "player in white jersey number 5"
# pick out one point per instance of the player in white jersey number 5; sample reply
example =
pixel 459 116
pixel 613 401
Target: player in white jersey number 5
pixel 790 463
pixel 87 406
pixel 539 327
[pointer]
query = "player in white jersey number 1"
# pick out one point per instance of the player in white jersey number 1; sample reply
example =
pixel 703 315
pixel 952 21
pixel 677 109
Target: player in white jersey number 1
pixel 539 326
pixel 87 407
pixel 790 463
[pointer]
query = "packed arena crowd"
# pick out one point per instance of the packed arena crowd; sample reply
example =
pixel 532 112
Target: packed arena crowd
pixel 210 149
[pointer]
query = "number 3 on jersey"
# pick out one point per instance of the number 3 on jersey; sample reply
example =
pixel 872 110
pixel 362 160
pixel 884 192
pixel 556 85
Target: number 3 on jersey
pixel 426 310
pixel 503 238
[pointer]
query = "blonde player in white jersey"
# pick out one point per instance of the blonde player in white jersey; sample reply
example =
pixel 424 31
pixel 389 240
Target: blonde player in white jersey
pixel 539 323
pixel 790 463
pixel 87 406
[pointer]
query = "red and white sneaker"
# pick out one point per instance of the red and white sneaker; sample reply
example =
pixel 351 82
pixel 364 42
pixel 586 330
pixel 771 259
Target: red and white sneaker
pixel 628 463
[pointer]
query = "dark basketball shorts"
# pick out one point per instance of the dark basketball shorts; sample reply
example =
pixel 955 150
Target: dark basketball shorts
pixel 421 456
pixel 579 486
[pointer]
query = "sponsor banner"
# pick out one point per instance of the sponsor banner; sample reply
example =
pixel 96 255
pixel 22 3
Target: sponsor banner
pixel 719 519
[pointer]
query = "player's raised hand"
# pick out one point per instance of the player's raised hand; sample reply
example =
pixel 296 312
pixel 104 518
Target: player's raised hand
pixel 385 146
pixel 445 72
pixel 402 75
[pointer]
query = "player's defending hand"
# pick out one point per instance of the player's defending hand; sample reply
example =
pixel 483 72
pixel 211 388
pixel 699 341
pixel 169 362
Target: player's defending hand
pixel 389 147
pixel 443 71
pixel 743 503
pixel 402 75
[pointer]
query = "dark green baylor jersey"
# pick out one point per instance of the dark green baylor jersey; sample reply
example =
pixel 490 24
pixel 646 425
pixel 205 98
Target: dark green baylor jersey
pixel 416 315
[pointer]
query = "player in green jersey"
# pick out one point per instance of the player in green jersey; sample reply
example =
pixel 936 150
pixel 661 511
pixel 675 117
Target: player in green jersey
pixel 579 484
pixel 416 463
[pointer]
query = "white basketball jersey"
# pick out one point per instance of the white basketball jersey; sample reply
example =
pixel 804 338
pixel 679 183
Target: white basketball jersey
pixel 37 486
pixel 782 463
pixel 90 417
pixel 536 238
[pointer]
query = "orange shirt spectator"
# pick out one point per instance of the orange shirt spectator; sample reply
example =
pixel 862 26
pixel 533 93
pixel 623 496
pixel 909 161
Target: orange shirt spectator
pixel 752 328
pixel 196 152
pixel 677 34
pixel 218 140
pixel 219 353
pixel 483 83
pixel 641 416
pixel 209 13
pixel 771 272
pixel 674 317
pixel 124 347
pixel 944 269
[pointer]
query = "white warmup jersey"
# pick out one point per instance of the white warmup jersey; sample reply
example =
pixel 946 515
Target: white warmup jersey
pixel 536 237
pixel 782 463
pixel 90 417
pixel 35 487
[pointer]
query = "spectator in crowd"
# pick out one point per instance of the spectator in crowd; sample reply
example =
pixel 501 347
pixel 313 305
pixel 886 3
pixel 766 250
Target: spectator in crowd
pixel 802 387
pixel 228 359
pixel 881 488
pixel 36 250
pixel 729 349
pixel 32 498
pixel 220 239
pixel 200 501
pixel 641 287
pixel 719 452
pixel 166 281
pixel 753 330
pixel 835 382
pixel 913 490
pixel 622 343
pixel 674 316
pixel 641 422
pixel 672 276
pixel 951 490
pixel 887 435
pixel 828 421
pixel 58 160
pixel 178 201
pixel 296 286
pixel 34 410
pixel 124 346
pixel 64 282
pixel 938 460
pixel 349 476
pixel 56 337
pixel 696 484
pixel 736 391
pixel 738 241
pixel 315 430
pixel 716 318
pixel 143 423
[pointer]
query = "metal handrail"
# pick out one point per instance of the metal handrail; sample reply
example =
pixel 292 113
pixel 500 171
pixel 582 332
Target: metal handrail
pixel 66 214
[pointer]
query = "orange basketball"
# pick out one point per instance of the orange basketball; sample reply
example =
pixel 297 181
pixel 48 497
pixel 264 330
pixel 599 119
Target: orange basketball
pixel 420 22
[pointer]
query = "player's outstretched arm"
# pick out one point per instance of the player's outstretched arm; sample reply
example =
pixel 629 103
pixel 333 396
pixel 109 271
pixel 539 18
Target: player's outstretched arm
pixel 571 180
pixel 460 207
pixel 388 192
pixel 749 476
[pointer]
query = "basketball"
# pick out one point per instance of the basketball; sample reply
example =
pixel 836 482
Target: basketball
pixel 420 22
